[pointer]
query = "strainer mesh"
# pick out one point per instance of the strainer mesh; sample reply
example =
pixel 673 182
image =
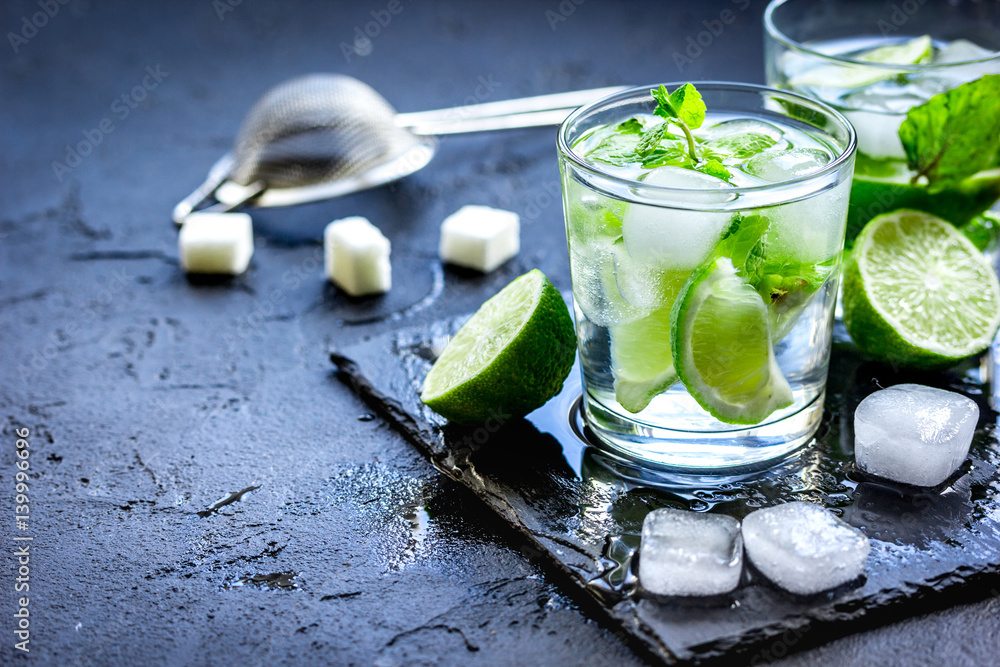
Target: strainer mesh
pixel 316 128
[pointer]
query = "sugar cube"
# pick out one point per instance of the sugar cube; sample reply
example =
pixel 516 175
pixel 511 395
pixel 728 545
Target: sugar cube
pixel 480 237
pixel 804 548
pixel 690 553
pixel 357 256
pixel 914 434
pixel 216 243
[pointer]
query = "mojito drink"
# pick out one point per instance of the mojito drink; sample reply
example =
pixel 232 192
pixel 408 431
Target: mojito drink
pixel 875 80
pixel 705 260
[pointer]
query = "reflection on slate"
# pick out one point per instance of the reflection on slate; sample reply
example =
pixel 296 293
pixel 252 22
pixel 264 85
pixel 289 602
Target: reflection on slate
pixel 582 509
pixel 921 518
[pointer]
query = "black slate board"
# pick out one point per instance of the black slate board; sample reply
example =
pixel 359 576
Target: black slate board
pixel 583 511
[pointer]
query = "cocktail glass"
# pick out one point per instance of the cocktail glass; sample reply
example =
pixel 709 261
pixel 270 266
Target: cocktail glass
pixel 640 243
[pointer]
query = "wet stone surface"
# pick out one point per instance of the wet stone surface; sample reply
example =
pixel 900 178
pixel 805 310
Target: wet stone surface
pixel 584 509
pixel 152 397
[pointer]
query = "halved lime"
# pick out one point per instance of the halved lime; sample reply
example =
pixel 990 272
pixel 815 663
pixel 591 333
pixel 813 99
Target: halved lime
pixel 880 186
pixel 508 359
pixel 912 52
pixel 722 346
pixel 918 293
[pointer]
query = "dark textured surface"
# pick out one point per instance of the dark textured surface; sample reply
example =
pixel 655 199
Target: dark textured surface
pixel 584 510
pixel 150 397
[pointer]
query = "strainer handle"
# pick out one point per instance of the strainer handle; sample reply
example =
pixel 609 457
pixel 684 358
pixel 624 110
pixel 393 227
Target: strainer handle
pixel 216 176
pixel 463 125
pixel 555 101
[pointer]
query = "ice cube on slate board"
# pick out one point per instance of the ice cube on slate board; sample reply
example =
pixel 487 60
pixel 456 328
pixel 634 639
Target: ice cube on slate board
pixel 914 434
pixel 804 548
pixel 690 553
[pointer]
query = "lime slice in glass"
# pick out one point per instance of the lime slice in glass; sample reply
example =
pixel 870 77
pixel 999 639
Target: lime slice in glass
pixel 508 359
pixel 722 346
pixel 641 360
pixel 913 52
pixel 918 293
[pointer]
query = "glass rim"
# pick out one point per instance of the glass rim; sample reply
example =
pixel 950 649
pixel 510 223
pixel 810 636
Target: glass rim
pixel 834 165
pixel 776 34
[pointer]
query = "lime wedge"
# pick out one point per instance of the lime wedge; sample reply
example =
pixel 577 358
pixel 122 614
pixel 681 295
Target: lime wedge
pixel 641 361
pixel 917 50
pixel 913 52
pixel 508 359
pixel 918 293
pixel 722 346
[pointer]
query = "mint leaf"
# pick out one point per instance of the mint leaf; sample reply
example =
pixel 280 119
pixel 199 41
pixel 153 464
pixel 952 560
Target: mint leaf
pixel 689 105
pixel 650 140
pixel 616 149
pixel 955 134
pixel 683 107
pixel 743 242
pixel 631 126
pixel 684 104
pixel 664 109
pixel 715 168
pixel 672 153
pixel 786 290
pixel 743 145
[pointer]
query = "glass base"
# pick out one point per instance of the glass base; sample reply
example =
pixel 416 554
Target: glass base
pixel 740 450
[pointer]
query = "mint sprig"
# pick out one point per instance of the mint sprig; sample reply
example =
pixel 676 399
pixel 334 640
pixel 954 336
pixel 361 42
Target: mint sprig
pixel 954 134
pixel 630 126
pixel 684 108
pixel 713 167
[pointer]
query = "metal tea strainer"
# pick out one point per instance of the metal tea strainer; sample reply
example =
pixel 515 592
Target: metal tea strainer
pixel 327 135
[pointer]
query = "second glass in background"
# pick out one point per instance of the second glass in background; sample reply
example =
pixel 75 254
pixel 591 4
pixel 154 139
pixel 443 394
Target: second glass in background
pixel 874 61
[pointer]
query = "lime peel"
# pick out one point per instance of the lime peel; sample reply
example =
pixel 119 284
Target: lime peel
pixel 722 346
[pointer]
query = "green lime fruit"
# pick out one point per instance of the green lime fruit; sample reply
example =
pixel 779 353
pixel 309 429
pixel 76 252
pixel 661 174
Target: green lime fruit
pixel 509 358
pixel 722 346
pixel 918 293
pixel 913 52
pixel 641 361
pixel 880 186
